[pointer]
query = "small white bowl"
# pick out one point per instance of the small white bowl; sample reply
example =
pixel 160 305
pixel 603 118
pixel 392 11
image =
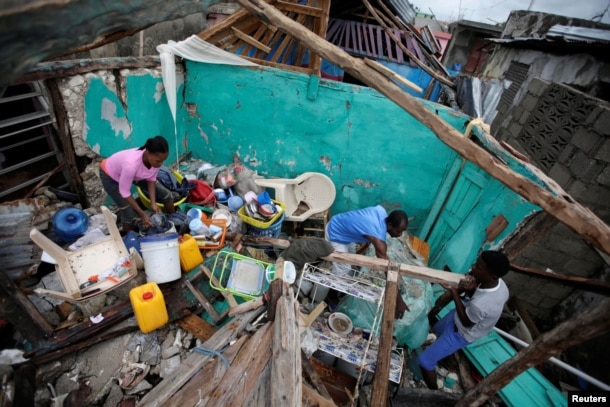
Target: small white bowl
pixel 340 323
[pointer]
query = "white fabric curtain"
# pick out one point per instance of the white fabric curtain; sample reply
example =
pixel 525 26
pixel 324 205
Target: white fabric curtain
pixel 193 49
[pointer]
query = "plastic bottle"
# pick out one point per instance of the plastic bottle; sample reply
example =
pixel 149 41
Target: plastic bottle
pixel 198 228
pixel 70 223
pixel 148 307
pixel 190 256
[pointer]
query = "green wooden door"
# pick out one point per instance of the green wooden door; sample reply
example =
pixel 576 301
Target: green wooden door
pixel 459 203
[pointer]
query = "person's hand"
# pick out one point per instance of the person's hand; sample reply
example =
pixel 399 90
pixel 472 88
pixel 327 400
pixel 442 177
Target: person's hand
pixel 467 283
pixel 156 208
pixel 146 221
pixel 401 307
pixel 448 287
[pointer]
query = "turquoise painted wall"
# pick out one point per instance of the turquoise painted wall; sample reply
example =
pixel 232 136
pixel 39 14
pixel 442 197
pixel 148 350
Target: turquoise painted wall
pixel 282 125
pixel 113 124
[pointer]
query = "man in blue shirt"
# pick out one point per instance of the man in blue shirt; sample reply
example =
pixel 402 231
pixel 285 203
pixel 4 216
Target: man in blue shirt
pixel 365 226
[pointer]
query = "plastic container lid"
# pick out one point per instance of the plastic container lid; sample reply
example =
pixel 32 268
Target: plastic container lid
pixel 147 295
pixel 161 237
pixel 195 224
pixel 194 213
pixel 70 223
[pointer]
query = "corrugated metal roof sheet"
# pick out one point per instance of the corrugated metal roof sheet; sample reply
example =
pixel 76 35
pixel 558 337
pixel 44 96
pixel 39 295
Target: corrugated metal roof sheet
pixel 568 34
pixel 571 33
pixel 19 256
pixel 404 9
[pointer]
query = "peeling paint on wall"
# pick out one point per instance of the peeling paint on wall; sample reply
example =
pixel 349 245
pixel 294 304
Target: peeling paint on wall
pixel 365 183
pixel 159 90
pixel 203 134
pixel 106 103
pixel 326 162
pixel 118 124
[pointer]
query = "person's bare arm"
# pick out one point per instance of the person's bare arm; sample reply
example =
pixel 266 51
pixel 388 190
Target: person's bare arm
pixel 152 193
pixel 381 252
pixel 146 221
pixel 380 246
pixel 465 284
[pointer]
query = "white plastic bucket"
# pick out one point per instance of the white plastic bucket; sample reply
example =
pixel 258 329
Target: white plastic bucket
pixel 161 254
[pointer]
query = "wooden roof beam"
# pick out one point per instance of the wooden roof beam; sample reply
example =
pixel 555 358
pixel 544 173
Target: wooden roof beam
pixel 246 38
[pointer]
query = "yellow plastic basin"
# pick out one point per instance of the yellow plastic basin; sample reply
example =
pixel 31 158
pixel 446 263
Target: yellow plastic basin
pixel 146 202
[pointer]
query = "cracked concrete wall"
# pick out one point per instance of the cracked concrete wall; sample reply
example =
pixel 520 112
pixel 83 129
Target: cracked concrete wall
pixel 573 148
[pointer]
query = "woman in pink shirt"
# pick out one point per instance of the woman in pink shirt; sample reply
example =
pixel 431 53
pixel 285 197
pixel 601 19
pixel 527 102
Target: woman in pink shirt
pixel 138 166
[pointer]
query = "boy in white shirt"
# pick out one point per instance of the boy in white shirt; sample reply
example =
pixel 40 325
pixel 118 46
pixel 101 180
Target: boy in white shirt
pixel 470 320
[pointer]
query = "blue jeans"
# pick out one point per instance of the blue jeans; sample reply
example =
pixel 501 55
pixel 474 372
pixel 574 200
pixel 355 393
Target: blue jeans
pixel 449 341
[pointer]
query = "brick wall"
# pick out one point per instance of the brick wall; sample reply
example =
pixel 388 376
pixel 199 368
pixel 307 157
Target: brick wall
pixel 566 133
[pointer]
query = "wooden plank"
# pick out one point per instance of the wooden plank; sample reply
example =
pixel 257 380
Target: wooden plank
pixel 278 64
pixel 466 379
pixel 443 79
pixel 63 128
pixel 420 246
pixel 569 333
pixel 239 381
pixel 276 290
pixel 407 270
pixel 392 75
pixel 384 354
pixel 320 28
pixel 286 373
pixel 314 378
pixel 228 296
pixel 199 387
pixel 588 284
pixel 287 42
pixel 200 329
pixel 578 218
pixel 299 8
pixel 246 38
pixel 306 320
pixel 415 34
pixel 78 344
pixel 219 29
pixel 22 313
pixel 311 398
pixel 74 67
pixel 203 301
pixel 247 306
pixel 44 180
pixel 195 361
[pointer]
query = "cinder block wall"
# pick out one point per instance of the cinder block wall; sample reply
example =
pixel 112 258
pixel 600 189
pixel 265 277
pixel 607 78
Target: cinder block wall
pixel 566 133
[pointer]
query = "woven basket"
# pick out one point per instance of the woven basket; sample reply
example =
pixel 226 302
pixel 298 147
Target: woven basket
pixel 272 231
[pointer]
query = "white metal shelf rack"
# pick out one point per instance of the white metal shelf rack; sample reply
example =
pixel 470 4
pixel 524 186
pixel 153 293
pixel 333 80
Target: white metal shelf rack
pixel 358 351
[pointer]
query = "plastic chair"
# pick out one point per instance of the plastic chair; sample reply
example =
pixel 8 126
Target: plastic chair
pixel 314 190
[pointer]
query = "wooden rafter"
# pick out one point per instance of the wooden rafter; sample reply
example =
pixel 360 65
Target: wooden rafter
pixel 251 38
